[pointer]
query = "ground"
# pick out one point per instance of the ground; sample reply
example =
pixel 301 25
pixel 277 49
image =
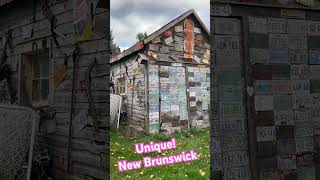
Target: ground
pixel 122 148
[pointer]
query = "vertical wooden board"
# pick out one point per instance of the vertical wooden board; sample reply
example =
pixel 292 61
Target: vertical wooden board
pixel 298 56
pixel 278 56
pixel 314 86
pixel 281 72
pixel 314 28
pixel 300 86
pixel 226 25
pixel 227 42
pixel 282 102
pixel 259 41
pixel 263 102
pixel 299 72
pixel 314 42
pixel 265 133
pixel 297 41
pixel 281 87
pixel 258 56
pixel 314 57
pixel 228 58
pixel 277 25
pixel 278 41
pixel 262 87
pixel 314 71
pixel 297 26
pixel 262 72
pixel 283 117
pixel 258 25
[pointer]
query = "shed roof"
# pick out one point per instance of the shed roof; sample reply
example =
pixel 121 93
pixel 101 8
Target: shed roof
pixel 140 45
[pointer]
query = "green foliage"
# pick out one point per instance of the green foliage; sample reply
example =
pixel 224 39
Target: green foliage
pixel 141 36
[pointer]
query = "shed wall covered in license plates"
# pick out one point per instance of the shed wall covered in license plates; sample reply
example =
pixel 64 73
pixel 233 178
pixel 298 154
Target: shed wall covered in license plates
pixel 165 78
pixel 275 68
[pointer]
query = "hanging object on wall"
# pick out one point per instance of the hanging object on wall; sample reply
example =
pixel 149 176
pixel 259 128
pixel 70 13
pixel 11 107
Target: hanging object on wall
pixel 82 20
pixel 188 40
pixel 60 73
pixel 136 68
pixel 168 33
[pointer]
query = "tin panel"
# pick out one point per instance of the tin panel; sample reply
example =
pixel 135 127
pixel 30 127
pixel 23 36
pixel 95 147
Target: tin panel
pixel 306 173
pixel 228 58
pixel 287 162
pixel 286 146
pixel 285 132
pixel 282 102
pixel 302 116
pixel 315 100
pixel 266 133
pixel 266 148
pixel 304 144
pixel 235 158
pixel 234 142
pixel 277 25
pixel 313 42
pixel 314 86
pixel 303 131
pixel 231 93
pixel 258 56
pixel 262 72
pixel 297 41
pixel 231 109
pixel 262 87
pixel 313 27
pixel 283 117
pixel 263 102
pixel 227 42
pixel 220 10
pixel 237 173
pixel 278 57
pixel 281 72
pixel 259 41
pixel 281 87
pixel 300 72
pixel 314 72
pixel 297 26
pixel 264 118
pixel 258 25
pixel 232 126
pixel 278 41
pixel 298 56
pixel 302 101
pixel 314 56
pixel 300 86
pixel 226 25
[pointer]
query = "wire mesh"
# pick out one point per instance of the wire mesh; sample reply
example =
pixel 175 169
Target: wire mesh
pixel 115 107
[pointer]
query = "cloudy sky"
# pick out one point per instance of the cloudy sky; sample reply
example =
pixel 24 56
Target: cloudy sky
pixel 129 17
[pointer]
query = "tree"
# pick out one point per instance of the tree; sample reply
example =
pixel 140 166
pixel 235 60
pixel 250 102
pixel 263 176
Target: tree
pixel 141 36
pixel 114 47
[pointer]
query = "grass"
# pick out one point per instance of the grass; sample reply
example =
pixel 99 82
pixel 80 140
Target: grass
pixel 122 148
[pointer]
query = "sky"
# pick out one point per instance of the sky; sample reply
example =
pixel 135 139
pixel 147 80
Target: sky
pixel 129 17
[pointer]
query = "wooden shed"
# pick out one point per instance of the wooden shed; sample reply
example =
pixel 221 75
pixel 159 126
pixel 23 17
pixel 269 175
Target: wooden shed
pixel 165 78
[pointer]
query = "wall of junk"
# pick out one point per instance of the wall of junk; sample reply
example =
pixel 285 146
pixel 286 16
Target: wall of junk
pixel 272 131
pixel 44 47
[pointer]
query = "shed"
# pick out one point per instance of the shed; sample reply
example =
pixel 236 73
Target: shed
pixel 165 78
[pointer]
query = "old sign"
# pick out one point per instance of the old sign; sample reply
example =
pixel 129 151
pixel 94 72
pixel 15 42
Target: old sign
pixel 234 142
pixel 226 25
pixel 259 41
pixel 304 144
pixel 302 116
pixel 258 25
pixel 293 13
pixel 315 100
pixel 297 26
pixel 303 131
pixel 258 56
pixel 189 38
pixel 237 173
pixel 263 102
pixel 300 86
pixel 262 72
pixel 283 117
pixel 278 41
pixel 286 146
pixel 266 133
pixel 315 72
pixel 281 87
pixel 232 109
pixel 302 101
pixel 226 76
pixel 287 162
pixel 314 86
pixel 278 56
pixel 314 56
pixel 264 118
pixel 230 93
pixel 300 72
pixel 232 126
pixel 306 173
pixel 235 158
pixel 227 42
pixel 262 87
pixel 281 72
pixel 277 25
pixel 220 10
pixel 297 41
pixel 298 56
pixel 282 102
pixel 228 58
pixel 313 27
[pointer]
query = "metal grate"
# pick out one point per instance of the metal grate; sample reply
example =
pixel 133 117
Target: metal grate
pixel 115 109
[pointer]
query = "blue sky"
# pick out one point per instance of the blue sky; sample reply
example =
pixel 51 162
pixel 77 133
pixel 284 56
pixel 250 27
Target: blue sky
pixel 128 17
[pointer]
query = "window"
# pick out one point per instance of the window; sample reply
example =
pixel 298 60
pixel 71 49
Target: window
pixel 121 86
pixel 36 79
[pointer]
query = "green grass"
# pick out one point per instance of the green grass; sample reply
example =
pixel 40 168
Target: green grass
pixel 122 148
